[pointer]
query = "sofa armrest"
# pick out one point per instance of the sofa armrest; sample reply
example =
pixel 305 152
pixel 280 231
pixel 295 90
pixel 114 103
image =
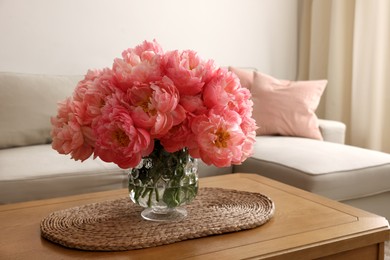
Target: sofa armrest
pixel 332 131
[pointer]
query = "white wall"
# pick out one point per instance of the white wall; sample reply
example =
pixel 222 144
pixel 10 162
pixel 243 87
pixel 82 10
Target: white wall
pixel 71 36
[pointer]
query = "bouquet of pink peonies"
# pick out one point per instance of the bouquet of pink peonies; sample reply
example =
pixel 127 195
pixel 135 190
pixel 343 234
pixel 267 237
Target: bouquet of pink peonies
pixel 150 95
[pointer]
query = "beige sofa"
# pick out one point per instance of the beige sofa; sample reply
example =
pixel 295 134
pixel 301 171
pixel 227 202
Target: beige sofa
pixel 30 169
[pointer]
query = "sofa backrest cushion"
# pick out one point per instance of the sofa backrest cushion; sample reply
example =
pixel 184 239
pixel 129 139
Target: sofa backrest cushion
pixel 283 107
pixel 27 102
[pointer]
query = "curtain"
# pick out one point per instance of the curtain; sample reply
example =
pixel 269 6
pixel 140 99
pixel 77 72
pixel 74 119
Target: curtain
pixel 348 43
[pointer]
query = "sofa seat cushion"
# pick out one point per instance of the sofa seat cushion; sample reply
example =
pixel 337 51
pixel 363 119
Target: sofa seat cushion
pixel 334 170
pixel 39 172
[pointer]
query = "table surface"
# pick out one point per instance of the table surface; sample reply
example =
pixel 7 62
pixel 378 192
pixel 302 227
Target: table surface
pixel 305 226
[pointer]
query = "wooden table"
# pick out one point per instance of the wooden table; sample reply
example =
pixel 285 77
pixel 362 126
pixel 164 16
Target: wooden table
pixel 305 226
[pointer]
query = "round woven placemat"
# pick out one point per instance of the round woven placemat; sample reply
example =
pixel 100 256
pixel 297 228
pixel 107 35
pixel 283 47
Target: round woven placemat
pixel 117 225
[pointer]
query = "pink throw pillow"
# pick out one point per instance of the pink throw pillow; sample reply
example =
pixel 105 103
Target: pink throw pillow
pixel 283 107
pixel 245 76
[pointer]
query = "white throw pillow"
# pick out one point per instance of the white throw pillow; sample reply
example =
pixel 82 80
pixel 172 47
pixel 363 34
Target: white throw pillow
pixel 27 102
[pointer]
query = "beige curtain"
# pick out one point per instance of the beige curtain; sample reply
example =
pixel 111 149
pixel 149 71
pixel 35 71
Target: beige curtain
pixel 348 43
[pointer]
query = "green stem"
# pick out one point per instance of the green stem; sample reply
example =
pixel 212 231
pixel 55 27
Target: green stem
pixel 150 199
pixel 161 166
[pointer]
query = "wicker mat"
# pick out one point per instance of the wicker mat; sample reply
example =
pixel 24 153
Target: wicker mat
pixel 116 225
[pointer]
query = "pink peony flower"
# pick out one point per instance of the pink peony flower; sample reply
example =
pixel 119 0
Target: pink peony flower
pixel 155 107
pixel 243 104
pixel 69 137
pixel 141 64
pixel 118 140
pixel 178 137
pixel 219 137
pixel 85 84
pixel 222 90
pixel 188 71
pixel 91 93
pixel 248 127
pixel 193 104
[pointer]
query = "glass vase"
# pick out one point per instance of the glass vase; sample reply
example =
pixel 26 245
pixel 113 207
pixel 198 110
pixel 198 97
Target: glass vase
pixel 163 182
